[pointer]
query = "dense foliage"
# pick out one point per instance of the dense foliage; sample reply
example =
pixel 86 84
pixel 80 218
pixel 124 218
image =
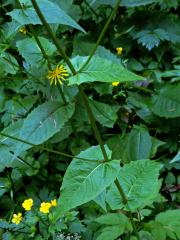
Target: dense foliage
pixel 93 155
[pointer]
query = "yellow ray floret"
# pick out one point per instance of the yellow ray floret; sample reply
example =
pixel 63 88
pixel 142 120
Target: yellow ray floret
pixel 115 84
pixel 57 74
pixel 17 218
pixel 119 50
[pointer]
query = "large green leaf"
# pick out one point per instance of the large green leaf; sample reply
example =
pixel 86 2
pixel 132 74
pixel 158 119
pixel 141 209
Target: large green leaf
pixel 166 103
pixel 139 144
pixel 101 70
pixel 139 180
pixel 31 52
pixel 52 13
pixel 104 113
pixel 84 180
pixel 43 122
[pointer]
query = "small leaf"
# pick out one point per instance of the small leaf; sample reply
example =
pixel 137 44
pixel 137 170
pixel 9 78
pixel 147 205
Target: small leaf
pixel 101 70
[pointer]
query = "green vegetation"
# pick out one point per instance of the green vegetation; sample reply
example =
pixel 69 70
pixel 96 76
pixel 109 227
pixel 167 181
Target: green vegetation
pixel 89 119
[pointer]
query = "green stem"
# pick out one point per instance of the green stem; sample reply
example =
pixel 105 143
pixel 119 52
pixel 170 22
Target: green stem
pixel 94 126
pixel 101 35
pixel 67 60
pixel 43 148
pixel 125 202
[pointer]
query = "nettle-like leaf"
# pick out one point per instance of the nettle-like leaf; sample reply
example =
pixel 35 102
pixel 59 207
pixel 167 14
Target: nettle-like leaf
pixel 31 52
pixel 43 122
pixel 170 221
pixel 101 70
pixel 151 38
pixel 139 180
pixel 166 225
pixel 52 13
pixel 166 103
pixel 118 224
pixel 84 180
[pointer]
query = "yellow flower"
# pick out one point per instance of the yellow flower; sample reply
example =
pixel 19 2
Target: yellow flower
pixel 23 30
pixel 119 50
pixel 57 74
pixel 45 206
pixel 17 218
pixel 115 84
pixel 54 203
pixel 27 204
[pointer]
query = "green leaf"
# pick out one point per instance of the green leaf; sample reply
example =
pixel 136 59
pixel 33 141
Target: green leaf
pixel 151 38
pixel 104 113
pixel 166 103
pixel 8 64
pixel 84 180
pixel 139 180
pixel 176 158
pixel 156 143
pixel 110 232
pixel 170 220
pixel 112 219
pixel 102 70
pixel 139 144
pixel 51 12
pixel 43 122
pixel 156 229
pixel 12 130
pixel 136 3
pixel 31 52
pixel 101 200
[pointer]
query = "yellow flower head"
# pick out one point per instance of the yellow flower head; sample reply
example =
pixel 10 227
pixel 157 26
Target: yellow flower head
pixel 119 50
pixel 17 218
pixel 23 30
pixel 27 204
pixel 45 206
pixel 57 74
pixel 54 203
pixel 115 84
